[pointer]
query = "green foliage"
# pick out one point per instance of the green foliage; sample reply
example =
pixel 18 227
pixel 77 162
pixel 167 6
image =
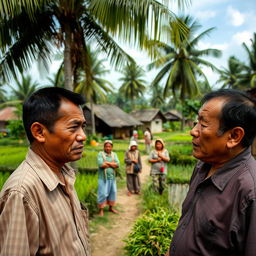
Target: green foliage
pixel 177 158
pixel 179 174
pixel 152 233
pixel 3 177
pixel 13 142
pixel 152 200
pixel 86 187
pixel 16 129
pixel 175 136
pixel 11 157
pixel 172 126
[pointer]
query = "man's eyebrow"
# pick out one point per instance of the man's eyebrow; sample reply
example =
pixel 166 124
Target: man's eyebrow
pixel 201 118
pixel 78 122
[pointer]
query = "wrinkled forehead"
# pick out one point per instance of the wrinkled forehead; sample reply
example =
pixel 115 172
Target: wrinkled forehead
pixel 212 108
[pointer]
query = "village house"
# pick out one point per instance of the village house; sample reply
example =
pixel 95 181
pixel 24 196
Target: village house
pixel 152 118
pixel 110 120
pixel 7 114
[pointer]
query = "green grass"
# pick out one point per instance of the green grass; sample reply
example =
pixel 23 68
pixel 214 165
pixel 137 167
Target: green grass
pixel 179 173
pixel 3 177
pixel 174 136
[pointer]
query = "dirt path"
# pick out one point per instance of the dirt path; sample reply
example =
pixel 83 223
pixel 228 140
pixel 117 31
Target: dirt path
pixel 110 241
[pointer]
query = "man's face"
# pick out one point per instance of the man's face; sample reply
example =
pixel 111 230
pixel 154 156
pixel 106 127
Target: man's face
pixel 208 146
pixel 65 142
pixel 108 148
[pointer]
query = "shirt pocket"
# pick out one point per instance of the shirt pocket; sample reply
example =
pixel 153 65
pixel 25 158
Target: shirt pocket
pixel 212 237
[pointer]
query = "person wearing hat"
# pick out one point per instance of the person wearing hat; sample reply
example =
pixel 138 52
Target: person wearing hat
pixel 134 136
pixel 159 159
pixel 107 163
pixel 133 168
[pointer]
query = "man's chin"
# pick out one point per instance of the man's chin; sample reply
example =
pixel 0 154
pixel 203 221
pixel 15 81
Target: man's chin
pixel 76 157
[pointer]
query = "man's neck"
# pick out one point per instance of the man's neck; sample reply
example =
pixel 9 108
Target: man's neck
pixel 232 154
pixel 53 165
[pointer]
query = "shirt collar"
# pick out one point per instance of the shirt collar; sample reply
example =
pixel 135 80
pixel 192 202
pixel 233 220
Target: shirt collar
pixel 48 177
pixel 223 175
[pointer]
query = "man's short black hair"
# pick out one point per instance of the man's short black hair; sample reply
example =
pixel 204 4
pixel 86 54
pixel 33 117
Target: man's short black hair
pixel 239 110
pixel 43 105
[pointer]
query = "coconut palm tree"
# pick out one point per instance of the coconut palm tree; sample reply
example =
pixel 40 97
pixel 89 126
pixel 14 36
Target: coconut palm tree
pixel 180 61
pixel 248 79
pixel 95 88
pixel 157 99
pixel 31 29
pixel 133 85
pixel 23 88
pixel 229 77
pixel 2 94
pixel 20 91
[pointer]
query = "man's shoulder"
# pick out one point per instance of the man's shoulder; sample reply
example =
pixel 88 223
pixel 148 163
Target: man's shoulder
pixel 22 180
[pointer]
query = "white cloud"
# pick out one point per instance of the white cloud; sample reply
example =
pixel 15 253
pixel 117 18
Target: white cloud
pixel 205 15
pixel 242 37
pixel 204 45
pixel 236 17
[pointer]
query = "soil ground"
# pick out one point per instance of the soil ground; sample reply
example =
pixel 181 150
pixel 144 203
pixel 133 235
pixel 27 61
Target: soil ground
pixel 109 240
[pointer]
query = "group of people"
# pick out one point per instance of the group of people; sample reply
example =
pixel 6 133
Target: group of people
pixel 40 213
pixel 108 162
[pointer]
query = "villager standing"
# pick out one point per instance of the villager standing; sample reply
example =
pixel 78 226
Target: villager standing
pixel 159 159
pixel 148 140
pixel 107 162
pixel 40 213
pixel 134 136
pixel 133 168
pixel 219 212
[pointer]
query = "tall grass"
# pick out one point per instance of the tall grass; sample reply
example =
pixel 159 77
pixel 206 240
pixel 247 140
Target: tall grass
pixel 86 187
pixel 3 177
pixel 179 173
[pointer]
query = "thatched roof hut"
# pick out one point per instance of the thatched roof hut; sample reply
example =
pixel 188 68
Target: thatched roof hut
pixel 111 120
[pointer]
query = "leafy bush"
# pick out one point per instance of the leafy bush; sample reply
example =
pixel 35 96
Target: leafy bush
pixel 13 142
pixel 179 174
pixel 3 177
pixel 152 233
pixel 179 159
pixel 16 129
pixel 86 187
pixel 152 200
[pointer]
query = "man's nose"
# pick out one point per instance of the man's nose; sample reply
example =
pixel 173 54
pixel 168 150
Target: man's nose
pixel 81 136
pixel 194 131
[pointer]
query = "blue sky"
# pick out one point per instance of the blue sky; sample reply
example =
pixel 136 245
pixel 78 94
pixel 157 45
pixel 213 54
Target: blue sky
pixel 234 21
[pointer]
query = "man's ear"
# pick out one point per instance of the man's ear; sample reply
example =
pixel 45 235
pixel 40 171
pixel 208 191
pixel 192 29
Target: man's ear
pixel 38 131
pixel 235 136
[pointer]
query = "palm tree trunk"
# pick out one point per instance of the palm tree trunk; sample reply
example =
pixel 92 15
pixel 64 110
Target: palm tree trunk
pixel 67 57
pixel 93 118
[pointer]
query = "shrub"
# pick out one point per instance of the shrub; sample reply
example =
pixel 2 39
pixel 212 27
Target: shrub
pixel 16 129
pixel 3 177
pixel 152 233
pixel 179 174
pixel 86 187
pixel 152 200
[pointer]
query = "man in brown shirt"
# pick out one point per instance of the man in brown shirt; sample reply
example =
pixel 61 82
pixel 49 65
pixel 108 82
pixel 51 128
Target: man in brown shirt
pixel 40 213
pixel 219 212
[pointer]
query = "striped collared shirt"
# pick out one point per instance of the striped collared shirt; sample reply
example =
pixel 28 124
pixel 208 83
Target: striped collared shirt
pixel 39 215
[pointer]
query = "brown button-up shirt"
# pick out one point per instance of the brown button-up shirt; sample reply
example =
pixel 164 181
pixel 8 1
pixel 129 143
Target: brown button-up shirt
pixel 38 216
pixel 219 213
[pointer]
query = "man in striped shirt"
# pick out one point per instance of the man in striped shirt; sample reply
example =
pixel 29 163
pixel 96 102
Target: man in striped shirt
pixel 40 213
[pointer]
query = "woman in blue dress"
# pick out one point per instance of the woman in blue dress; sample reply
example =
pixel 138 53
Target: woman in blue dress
pixel 107 163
